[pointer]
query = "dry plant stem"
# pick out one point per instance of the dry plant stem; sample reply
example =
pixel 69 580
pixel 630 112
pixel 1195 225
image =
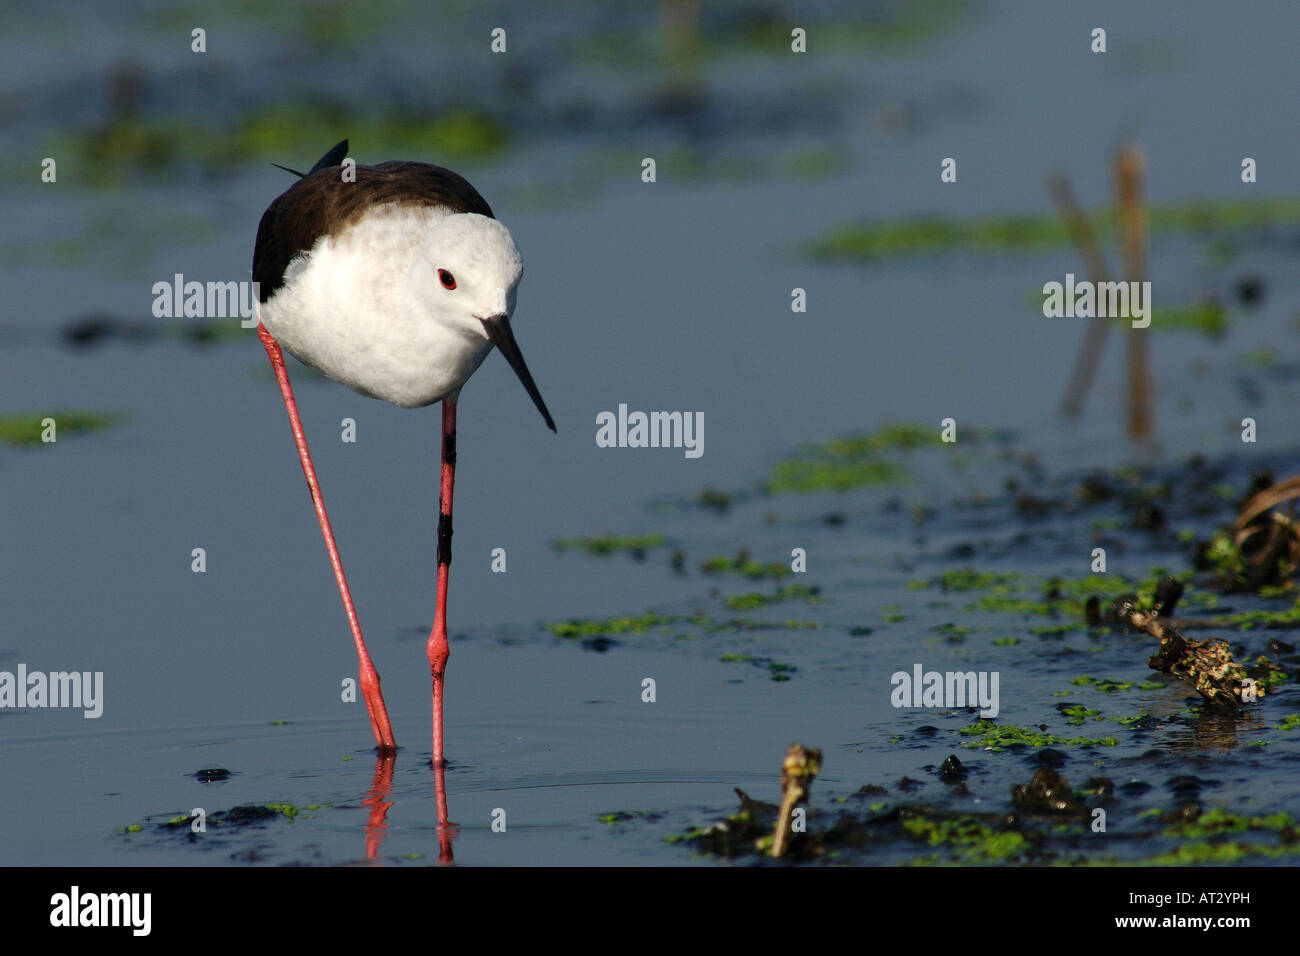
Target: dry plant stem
pixel 800 766
pixel 1094 341
pixel 1133 237
pixel 1270 497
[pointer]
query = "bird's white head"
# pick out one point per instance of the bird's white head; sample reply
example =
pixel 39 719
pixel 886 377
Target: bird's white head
pixel 467 274
pixel 468 270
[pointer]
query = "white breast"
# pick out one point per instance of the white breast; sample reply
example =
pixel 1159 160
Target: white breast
pixel 346 308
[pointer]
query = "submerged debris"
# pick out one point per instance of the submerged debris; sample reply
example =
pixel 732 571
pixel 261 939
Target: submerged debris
pixel 1046 793
pixel 1206 665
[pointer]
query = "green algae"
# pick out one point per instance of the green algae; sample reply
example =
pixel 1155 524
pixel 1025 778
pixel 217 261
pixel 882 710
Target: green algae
pixel 576 627
pixel 26 430
pixel 600 546
pixel 133 145
pixel 745 567
pixel 851 461
pixel 652 622
pixel 1217 821
pixel 871 242
pixel 627 816
pixel 968 579
pixel 998 737
pixel 1054 630
pixel 975 841
pixel 1289 722
pixel 1077 714
pixel 791 592
pixel 806 476
pixel 1111 686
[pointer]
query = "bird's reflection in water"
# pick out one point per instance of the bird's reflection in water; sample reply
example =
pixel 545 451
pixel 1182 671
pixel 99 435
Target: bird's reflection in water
pixel 446 830
pixel 376 799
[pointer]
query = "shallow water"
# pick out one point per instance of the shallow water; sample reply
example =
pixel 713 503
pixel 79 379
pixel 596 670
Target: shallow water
pixel 666 296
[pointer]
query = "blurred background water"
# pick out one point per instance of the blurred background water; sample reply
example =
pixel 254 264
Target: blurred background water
pixel 668 295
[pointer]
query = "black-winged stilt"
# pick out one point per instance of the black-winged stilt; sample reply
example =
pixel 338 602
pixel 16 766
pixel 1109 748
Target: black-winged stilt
pixel 395 282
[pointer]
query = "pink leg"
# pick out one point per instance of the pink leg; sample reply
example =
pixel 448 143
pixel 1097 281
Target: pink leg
pixel 369 676
pixel 439 651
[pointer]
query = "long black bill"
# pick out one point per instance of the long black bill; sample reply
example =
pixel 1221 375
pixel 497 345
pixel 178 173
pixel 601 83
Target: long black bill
pixel 498 330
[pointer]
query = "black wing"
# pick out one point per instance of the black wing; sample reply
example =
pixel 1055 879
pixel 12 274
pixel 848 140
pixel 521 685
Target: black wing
pixel 321 203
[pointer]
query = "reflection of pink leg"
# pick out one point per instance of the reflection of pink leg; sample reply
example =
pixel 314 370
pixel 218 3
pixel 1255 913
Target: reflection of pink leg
pixel 377 800
pixel 438 648
pixel 446 831
pixel 368 675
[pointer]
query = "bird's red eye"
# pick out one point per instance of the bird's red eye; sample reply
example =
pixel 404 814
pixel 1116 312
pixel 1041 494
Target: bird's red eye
pixel 448 280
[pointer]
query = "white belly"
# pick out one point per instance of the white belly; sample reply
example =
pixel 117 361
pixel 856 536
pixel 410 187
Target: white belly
pixel 345 308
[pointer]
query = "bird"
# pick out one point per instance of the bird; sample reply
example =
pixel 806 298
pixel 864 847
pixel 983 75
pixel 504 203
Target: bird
pixel 395 280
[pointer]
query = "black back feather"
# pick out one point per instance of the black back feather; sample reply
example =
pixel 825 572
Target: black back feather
pixel 322 203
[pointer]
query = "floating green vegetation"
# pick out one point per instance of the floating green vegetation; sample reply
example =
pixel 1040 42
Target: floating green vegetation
pixel 902 436
pixel 955 633
pixel 869 242
pixel 627 816
pixel 790 592
pixel 138 146
pixel 968 579
pixel 28 430
pixel 1207 318
pixel 245 815
pixel 1054 630
pixel 805 476
pixel 1011 594
pixel 323 26
pixel 576 628
pixel 1110 686
pixel 602 545
pixel 1076 714
pixel 745 566
pixel 976 842
pixel 1249 620
pixel 851 461
pixel 1005 604
pixel 1216 821
pixel 1130 720
pixel 1195 854
pixel 278 132
pixel 897 29
pixel 1267 673
pixel 999 737
pixel 1006 641
pixel 812 164
pixel 290 811
pixel 1289 722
